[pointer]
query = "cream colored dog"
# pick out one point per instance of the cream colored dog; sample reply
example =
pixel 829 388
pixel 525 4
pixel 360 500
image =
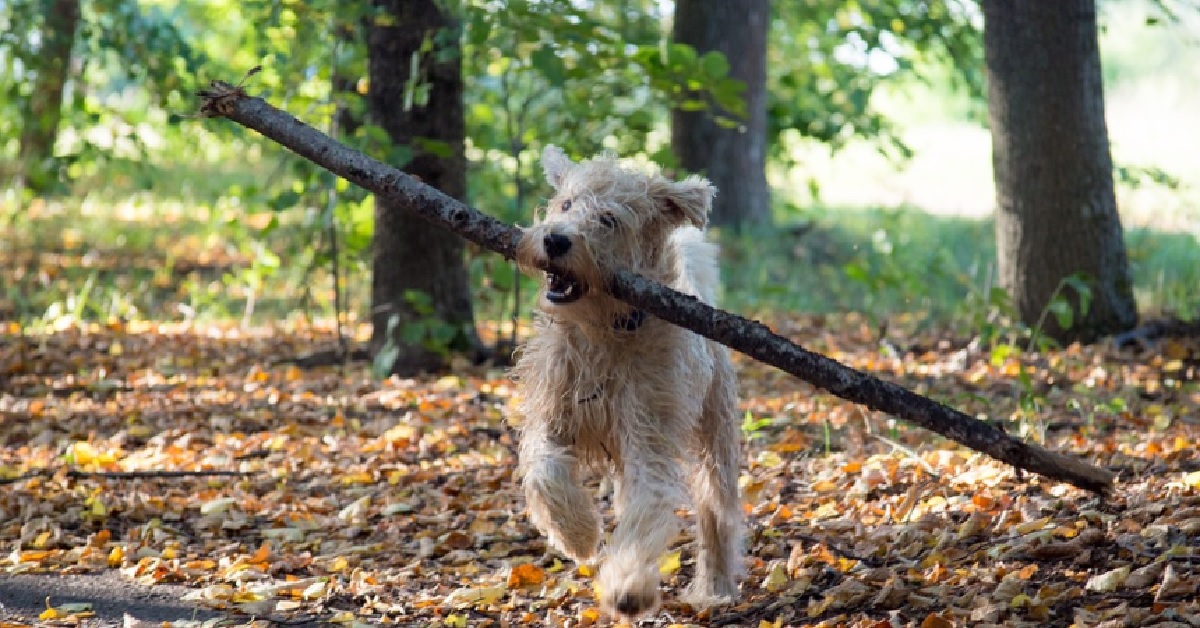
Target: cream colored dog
pixel 605 387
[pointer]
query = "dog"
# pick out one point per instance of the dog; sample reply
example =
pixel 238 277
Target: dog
pixel 607 388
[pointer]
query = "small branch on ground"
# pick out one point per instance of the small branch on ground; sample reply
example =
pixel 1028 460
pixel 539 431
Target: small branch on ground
pixel 749 337
pixel 125 475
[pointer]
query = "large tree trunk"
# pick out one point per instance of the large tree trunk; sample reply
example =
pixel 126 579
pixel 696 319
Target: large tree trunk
pixel 1056 214
pixel 52 63
pixel 411 255
pixel 734 159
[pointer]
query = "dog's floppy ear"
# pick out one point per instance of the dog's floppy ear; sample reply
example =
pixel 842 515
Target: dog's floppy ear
pixel 555 163
pixel 689 200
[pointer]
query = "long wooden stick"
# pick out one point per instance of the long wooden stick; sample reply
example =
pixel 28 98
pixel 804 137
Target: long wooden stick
pixel 749 337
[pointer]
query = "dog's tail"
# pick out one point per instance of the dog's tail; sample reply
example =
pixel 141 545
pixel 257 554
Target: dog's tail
pixel 697 271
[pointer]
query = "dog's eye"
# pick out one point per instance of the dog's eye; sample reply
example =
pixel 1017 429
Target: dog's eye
pixel 566 205
pixel 608 220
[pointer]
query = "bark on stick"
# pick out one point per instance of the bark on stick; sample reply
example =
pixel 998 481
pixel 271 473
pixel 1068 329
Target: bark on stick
pixel 749 337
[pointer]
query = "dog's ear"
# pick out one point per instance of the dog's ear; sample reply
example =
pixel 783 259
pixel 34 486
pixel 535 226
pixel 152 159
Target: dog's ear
pixel 555 163
pixel 689 201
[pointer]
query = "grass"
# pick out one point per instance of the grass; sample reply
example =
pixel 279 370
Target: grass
pixel 167 260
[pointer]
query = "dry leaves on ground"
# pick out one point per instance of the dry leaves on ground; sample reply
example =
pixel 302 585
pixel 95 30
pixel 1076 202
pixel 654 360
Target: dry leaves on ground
pixel 321 494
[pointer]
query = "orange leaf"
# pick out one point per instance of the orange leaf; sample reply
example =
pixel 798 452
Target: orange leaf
pixel 933 620
pixel 263 553
pixel 526 574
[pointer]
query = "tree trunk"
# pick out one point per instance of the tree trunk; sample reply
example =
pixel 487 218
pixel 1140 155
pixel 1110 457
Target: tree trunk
pixel 1056 213
pixel 733 159
pixel 411 256
pixel 52 64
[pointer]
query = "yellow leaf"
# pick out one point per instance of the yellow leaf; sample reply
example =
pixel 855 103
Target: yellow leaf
pixel 1108 581
pixel 344 617
pixel 669 564
pixel 49 613
pixel 762 623
pixel 556 567
pixel 589 616
pixel 217 506
pixel 586 570
pixel 824 486
pixel 41 539
pixel 776 578
pixel 1032 526
pixel 82 453
pixel 314 590
pixel 455 621
pixel 769 459
pixel 358 477
pixel 242 597
pixel 1192 479
pixel 116 556
pixel 473 596
pixel 339 564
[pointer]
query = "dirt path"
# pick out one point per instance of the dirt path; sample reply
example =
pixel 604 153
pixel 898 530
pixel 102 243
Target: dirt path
pixel 23 597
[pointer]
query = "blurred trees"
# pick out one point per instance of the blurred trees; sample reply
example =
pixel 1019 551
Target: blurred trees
pixel 589 76
pixel 82 64
pixel 43 106
pixel 1057 228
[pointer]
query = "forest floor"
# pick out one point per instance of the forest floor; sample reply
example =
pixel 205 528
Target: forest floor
pixel 197 458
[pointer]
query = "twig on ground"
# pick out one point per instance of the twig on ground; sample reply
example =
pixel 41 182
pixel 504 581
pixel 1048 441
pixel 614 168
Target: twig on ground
pixel 125 475
pixel 908 452
pixel 750 337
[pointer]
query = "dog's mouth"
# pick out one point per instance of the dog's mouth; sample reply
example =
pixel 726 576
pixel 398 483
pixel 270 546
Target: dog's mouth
pixel 561 290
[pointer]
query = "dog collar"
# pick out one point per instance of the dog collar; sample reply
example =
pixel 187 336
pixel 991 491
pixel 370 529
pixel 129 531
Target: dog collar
pixel 630 323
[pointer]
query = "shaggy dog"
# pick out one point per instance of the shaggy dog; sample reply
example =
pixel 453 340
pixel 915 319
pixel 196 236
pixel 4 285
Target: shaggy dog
pixel 605 387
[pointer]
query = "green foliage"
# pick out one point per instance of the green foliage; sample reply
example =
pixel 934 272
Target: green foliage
pixel 128 62
pixel 829 57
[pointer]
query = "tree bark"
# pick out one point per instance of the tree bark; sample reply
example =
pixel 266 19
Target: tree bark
pixel 411 255
pixel 1056 213
pixel 750 337
pixel 734 159
pixel 52 64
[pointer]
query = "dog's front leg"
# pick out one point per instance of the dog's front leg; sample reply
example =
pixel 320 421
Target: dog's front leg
pixel 650 488
pixel 558 504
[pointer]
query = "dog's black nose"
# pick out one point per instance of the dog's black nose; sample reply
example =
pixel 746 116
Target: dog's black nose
pixel 556 245
pixel 629 605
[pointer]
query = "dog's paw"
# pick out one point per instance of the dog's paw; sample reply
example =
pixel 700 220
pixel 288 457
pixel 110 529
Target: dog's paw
pixel 631 594
pixel 711 591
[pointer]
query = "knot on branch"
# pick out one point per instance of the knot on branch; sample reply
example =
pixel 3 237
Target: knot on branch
pixel 220 97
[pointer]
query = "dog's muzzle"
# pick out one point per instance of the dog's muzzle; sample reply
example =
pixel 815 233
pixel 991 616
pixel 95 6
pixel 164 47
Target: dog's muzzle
pixel 561 290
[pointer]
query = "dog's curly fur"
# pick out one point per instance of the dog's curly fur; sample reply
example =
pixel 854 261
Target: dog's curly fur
pixel 606 388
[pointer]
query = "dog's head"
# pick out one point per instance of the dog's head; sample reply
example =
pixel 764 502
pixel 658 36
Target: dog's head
pixel 605 215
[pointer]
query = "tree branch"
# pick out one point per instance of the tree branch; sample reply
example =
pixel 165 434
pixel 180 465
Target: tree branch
pixel 749 337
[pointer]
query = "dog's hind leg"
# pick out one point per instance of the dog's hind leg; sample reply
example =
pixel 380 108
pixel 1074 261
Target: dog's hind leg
pixel 558 504
pixel 715 493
